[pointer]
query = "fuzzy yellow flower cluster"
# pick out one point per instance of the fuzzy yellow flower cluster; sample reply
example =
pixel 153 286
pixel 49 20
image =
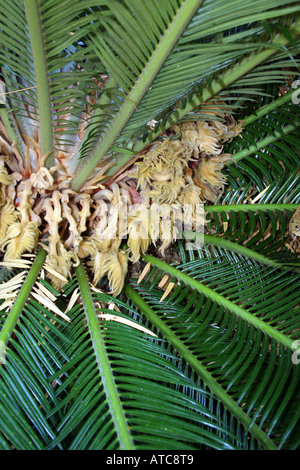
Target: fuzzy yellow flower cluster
pixel 112 225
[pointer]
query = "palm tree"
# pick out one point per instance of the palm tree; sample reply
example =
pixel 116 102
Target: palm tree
pixel 180 341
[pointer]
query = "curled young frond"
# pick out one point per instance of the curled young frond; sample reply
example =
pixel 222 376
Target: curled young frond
pixel 147 204
pixel 8 217
pixel 20 238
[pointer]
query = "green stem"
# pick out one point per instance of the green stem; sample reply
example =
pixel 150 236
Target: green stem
pixel 223 301
pixel 206 376
pixel 23 296
pixel 32 9
pixel 161 53
pixel 260 144
pixel 108 382
pixel 269 108
pixel 235 247
pixel 251 207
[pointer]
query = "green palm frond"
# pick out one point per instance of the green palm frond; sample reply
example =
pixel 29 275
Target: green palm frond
pixel 34 353
pixel 45 58
pixel 96 373
pixel 263 182
pixel 261 227
pixel 229 344
pixel 102 376
pixel 202 60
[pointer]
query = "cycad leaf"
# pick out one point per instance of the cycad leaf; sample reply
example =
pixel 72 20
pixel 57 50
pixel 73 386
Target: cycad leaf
pixel 156 399
pixel 202 316
pixel 27 395
pixel 154 72
pixel 36 59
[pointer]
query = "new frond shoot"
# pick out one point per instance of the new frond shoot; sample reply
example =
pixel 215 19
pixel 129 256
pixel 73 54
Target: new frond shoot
pixel 109 225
